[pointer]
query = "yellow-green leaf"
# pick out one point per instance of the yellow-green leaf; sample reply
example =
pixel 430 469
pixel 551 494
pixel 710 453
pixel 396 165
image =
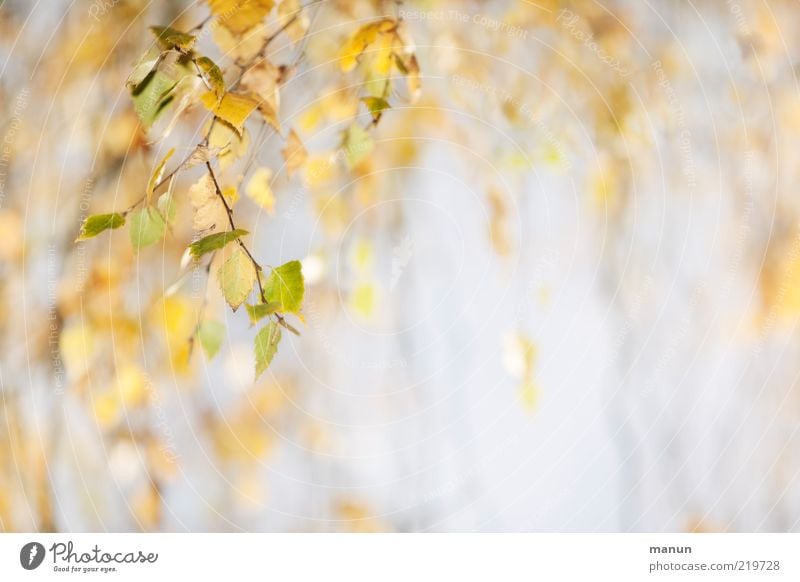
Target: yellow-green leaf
pixel 285 287
pixel 266 346
pixel 152 96
pixel 214 242
pixel 97 223
pixel 261 310
pixel 237 276
pixel 376 106
pixel 357 144
pixel 211 334
pixel 213 76
pixel 146 227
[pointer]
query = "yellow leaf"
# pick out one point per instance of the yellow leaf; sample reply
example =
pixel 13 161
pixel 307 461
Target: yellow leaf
pixel 175 318
pixel 106 408
pixel 362 256
pixel 293 17
pixel 294 153
pixel 240 15
pixel 231 145
pixel 383 59
pixel 363 299
pixel 147 507
pixel 209 211
pixel 529 394
pixel 258 188
pixel 263 80
pixel 320 170
pixel 360 40
pixel 233 108
pixel 237 276
pixel 131 385
pixel 77 344
pixel 239 47
pixel 231 194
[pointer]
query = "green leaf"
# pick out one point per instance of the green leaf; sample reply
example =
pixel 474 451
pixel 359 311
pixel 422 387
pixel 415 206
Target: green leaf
pixel 97 223
pixel 146 228
pixel 237 276
pixel 376 106
pixel 357 145
pixel 266 346
pixel 214 242
pixel 285 287
pixel 152 96
pixel 261 310
pixel 213 75
pixel 170 38
pixel 211 333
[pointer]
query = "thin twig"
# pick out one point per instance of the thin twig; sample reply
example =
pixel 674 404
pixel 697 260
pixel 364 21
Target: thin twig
pixel 243 246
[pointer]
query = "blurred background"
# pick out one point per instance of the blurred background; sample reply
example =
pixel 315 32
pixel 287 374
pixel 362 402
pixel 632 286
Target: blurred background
pixel 561 293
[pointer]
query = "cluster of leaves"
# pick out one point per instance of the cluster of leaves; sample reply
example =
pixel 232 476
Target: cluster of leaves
pixel 173 77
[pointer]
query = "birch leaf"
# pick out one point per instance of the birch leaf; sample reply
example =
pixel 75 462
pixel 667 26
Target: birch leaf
pixel 259 190
pixel 261 310
pixel 357 144
pixel 152 96
pixel 97 223
pixel 376 106
pixel 266 346
pixel 170 38
pixel 214 242
pixel 146 227
pixel 213 76
pixel 237 276
pixel 211 334
pixel 293 17
pixel 240 15
pixel 285 287
pixel 209 211
pixel 233 108
pixel 294 153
